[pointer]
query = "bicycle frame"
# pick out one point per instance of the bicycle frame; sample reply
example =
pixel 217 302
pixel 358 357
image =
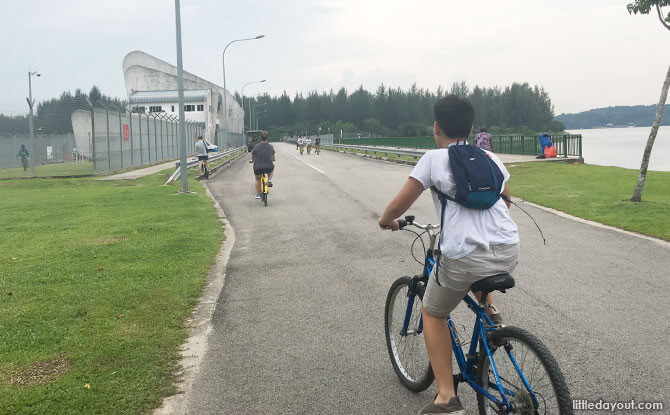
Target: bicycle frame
pixel 264 183
pixel 466 362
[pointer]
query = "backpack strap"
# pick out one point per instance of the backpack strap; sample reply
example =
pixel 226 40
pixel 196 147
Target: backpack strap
pixel 443 201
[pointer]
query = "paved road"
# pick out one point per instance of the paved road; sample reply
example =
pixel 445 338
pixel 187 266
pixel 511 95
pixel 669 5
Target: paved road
pixel 299 324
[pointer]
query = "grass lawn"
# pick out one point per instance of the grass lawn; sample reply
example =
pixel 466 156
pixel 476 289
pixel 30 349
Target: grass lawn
pixel 598 193
pixel 50 170
pixel 96 281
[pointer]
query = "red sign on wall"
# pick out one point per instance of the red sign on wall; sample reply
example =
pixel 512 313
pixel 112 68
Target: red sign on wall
pixel 126 134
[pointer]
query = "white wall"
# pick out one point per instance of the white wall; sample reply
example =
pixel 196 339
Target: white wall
pixel 143 72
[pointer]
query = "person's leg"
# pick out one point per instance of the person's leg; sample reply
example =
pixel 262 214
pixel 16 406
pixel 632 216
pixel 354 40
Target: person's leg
pixel 438 344
pixel 257 183
pixel 199 167
pixel 438 302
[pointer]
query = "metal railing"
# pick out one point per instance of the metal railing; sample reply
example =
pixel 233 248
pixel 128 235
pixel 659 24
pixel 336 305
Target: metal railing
pixel 416 154
pixel 193 162
pixel 567 145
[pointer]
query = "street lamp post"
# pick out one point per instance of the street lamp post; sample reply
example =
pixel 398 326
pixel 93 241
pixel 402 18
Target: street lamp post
pixel 242 93
pixel 256 116
pixel 223 61
pixel 252 112
pixel 180 92
pixel 31 102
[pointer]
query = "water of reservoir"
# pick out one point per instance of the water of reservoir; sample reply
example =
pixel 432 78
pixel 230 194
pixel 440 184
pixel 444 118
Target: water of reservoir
pixel 623 147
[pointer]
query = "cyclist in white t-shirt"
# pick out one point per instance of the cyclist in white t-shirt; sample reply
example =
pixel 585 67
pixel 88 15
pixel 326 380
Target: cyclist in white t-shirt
pixel 474 243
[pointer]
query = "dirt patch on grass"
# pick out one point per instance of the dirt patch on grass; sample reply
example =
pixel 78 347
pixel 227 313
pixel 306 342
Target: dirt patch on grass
pixel 110 240
pixel 41 372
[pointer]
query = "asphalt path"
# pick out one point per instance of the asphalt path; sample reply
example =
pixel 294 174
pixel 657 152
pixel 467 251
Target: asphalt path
pixel 298 327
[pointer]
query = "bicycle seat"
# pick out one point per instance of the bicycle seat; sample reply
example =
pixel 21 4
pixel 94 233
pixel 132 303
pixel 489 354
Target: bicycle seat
pixel 500 282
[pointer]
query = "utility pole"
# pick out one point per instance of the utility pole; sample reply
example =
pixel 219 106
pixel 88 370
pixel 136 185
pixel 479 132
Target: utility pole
pixel 180 91
pixel 31 102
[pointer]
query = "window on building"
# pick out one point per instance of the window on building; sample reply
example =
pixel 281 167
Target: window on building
pixel 201 107
pixel 172 108
pixel 189 108
pixel 155 108
pixel 139 110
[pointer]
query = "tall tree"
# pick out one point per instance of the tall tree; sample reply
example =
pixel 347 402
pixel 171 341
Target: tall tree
pixel 644 7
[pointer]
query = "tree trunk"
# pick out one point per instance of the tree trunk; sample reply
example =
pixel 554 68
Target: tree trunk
pixel 637 194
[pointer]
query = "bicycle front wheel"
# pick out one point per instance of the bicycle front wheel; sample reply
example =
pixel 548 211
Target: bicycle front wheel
pixel 407 351
pixel 548 392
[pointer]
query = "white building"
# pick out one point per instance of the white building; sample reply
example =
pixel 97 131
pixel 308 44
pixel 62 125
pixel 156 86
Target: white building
pixel 151 85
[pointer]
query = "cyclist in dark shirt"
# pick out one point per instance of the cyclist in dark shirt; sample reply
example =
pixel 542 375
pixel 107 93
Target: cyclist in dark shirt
pixel 263 157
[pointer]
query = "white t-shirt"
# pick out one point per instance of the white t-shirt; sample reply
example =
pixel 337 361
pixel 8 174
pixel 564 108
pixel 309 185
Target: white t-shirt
pixel 464 228
pixel 309 141
pixel 300 141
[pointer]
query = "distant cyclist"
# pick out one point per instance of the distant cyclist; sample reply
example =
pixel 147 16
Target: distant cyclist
pixel 23 155
pixel 201 152
pixel 263 157
pixel 317 144
pixel 301 144
pixel 308 142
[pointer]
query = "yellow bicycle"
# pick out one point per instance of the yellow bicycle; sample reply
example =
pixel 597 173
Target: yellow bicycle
pixel 264 189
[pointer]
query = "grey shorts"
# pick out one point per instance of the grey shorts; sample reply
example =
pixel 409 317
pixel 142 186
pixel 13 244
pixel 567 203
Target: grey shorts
pixel 456 276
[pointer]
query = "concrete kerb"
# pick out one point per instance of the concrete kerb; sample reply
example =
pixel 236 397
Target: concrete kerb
pixel 200 324
pixel 661 242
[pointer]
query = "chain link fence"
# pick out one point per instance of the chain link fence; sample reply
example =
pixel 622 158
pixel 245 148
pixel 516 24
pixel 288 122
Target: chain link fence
pixel 115 139
pixel 49 149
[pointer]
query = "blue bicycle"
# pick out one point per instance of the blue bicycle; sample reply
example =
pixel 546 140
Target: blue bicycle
pixel 510 369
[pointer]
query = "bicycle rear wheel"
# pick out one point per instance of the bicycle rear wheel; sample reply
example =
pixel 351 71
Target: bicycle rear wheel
pixel 539 368
pixel 408 352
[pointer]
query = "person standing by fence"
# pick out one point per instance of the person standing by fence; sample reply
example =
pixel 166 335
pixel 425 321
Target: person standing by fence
pixel 23 155
pixel 483 140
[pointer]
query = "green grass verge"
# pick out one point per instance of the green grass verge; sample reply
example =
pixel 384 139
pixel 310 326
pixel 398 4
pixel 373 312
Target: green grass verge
pixel 96 282
pixel 50 170
pixel 598 193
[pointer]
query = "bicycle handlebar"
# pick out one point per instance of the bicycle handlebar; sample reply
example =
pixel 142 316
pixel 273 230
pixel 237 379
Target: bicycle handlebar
pixel 409 220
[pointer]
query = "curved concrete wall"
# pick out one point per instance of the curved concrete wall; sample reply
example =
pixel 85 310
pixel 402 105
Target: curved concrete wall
pixel 143 72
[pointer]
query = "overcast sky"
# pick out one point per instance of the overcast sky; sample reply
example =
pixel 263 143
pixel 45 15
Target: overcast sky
pixel 585 53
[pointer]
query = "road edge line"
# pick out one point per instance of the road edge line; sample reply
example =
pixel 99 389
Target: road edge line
pixel 196 346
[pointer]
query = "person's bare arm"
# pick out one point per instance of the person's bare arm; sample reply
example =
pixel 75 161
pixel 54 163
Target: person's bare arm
pixel 507 194
pixel 409 192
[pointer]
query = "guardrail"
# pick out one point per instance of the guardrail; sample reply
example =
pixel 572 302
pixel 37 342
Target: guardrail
pixel 566 144
pixel 564 147
pixel 382 150
pixel 194 162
